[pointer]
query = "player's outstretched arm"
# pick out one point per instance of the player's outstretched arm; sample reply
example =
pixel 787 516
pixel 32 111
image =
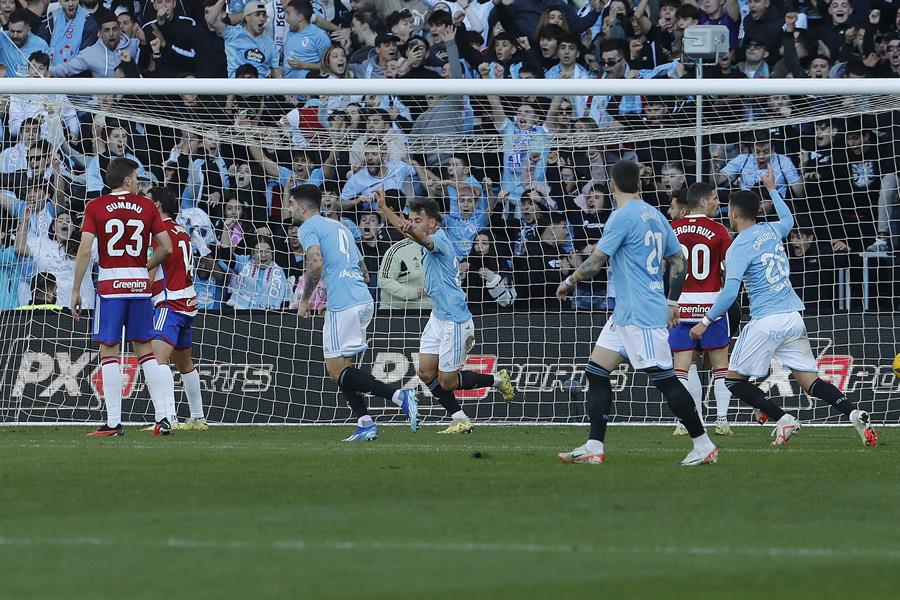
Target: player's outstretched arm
pixel 312 274
pixel 161 252
pixel 82 260
pixel 588 269
pixel 726 298
pixel 677 274
pixel 400 224
pixel 785 218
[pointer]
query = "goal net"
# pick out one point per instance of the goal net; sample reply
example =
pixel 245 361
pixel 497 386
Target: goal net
pixel 523 182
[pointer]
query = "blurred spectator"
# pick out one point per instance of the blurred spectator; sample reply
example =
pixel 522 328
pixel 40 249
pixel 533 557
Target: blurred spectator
pixel 247 44
pixel 745 170
pixel 401 278
pixel 12 267
pixel 257 282
pixel 111 140
pixel 461 228
pixel 763 24
pixel 235 233
pixel 18 43
pixel 525 148
pixel 109 56
pixel 544 263
pixel 814 266
pixel 374 245
pixel 209 281
pixel 486 278
pixel 68 30
pixel 170 41
pixel 377 173
pixel 58 119
pixel 305 44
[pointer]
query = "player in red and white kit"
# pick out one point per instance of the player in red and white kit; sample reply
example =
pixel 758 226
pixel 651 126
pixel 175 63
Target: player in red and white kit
pixel 123 224
pixel 704 242
pixel 175 304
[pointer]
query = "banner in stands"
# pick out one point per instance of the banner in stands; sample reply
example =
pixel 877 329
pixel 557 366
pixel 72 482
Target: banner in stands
pixel 266 367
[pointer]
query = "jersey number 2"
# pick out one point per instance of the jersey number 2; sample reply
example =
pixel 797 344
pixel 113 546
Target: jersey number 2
pixel 655 258
pixel 117 228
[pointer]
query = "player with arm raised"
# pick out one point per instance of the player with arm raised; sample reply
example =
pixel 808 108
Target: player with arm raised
pixel 450 331
pixel 175 304
pixel 123 224
pixel 776 328
pixel 331 253
pixel 704 243
pixel 637 240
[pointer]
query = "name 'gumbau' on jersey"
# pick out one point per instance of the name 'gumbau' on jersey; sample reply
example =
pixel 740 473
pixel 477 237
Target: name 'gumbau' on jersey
pixel 345 283
pixel 173 285
pixel 704 243
pixel 124 225
pixel 637 238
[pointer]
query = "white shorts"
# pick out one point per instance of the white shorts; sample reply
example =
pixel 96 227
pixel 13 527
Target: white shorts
pixel 782 336
pixel 643 348
pixel 344 332
pixel 450 341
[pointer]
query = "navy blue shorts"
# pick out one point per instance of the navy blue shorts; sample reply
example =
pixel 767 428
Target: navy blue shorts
pixel 173 328
pixel 111 314
pixel 717 336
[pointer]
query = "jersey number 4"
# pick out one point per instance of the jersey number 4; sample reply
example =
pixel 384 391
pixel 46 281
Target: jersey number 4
pixel 133 245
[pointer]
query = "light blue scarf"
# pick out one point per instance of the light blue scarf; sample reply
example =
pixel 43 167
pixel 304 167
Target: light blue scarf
pixel 65 40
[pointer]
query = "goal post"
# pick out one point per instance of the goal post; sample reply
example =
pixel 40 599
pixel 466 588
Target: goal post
pixel 524 185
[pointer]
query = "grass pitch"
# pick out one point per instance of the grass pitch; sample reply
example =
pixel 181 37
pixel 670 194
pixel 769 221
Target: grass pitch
pixel 250 513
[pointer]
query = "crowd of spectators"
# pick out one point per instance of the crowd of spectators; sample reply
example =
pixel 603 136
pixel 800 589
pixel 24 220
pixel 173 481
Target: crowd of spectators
pixel 523 209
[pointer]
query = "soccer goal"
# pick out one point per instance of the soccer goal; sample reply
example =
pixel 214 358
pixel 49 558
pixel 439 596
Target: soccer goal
pixel 520 169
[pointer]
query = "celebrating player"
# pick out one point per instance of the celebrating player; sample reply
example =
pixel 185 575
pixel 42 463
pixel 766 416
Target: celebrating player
pixel 636 240
pixel 450 331
pixel 330 250
pixel 123 224
pixel 776 327
pixel 176 305
pixel 704 243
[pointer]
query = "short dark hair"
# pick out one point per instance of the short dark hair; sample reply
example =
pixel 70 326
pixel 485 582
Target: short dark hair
pixel 246 69
pixel 167 199
pixel 118 170
pixel 307 194
pixel 368 17
pixel 550 31
pixel 687 11
pixel 304 7
pixel 395 17
pixel 19 16
pixel 427 206
pixel 680 197
pixel 610 45
pixel 697 192
pixel 438 18
pixel 747 203
pixel 569 37
pixel 41 58
pixel 626 174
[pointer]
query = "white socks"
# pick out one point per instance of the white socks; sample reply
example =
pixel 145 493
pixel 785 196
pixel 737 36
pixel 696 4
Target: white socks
pixel 696 389
pixel 112 390
pixel 396 398
pixel 594 446
pixel 365 421
pixel 723 395
pixel 191 382
pixel 702 442
pixel 169 381
pixel 459 415
pixel 156 384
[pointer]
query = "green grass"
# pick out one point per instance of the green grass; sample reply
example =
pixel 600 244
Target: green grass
pixel 256 513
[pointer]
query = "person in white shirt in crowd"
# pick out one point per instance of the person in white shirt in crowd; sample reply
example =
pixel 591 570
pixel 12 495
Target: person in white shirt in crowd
pixel 257 282
pixel 58 118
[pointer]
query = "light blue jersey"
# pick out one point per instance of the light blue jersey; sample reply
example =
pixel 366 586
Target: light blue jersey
pixel 241 48
pixel 306 46
pixel 441 283
pixel 637 238
pixel 757 257
pixel 344 281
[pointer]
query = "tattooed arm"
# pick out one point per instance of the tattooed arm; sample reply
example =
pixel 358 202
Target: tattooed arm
pixel 677 275
pixel 588 269
pixel 312 275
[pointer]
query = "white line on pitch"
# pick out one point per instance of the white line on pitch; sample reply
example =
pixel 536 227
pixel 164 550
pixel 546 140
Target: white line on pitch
pixel 499 548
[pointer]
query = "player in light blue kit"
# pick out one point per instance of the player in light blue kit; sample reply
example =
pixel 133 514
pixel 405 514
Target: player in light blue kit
pixel 776 328
pixel 332 253
pixel 450 332
pixel 637 240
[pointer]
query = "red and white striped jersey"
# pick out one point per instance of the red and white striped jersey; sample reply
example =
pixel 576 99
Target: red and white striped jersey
pixel 704 243
pixel 173 286
pixel 124 224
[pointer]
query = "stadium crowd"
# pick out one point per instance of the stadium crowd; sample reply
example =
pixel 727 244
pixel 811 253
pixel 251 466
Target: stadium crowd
pixel 522 212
